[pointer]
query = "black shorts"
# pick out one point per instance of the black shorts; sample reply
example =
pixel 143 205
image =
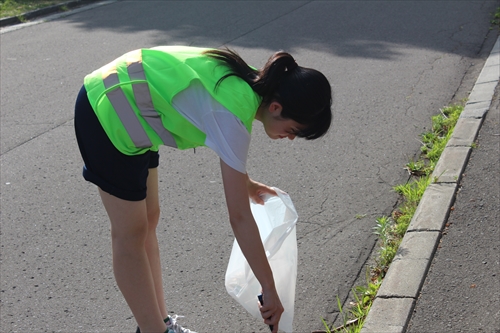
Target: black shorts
pixel 114 172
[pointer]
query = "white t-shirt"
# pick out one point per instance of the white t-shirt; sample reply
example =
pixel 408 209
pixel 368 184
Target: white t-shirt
pixel 226 134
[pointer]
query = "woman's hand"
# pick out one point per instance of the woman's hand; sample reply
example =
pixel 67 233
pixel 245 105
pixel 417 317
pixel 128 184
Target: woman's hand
pixel 256 190
pixel 271 310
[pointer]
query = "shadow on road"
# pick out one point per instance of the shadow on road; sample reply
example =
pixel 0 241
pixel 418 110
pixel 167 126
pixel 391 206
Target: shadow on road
pixel 358 29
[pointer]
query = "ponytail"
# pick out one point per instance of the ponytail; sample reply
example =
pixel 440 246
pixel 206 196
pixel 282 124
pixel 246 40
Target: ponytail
pixel 265 81
pixel 277 67
pixel 304 93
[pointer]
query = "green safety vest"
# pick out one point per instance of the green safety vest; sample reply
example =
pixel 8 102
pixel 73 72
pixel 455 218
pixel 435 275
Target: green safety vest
pixel 132 97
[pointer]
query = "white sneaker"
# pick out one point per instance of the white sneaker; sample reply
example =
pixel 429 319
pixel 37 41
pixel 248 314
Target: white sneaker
pixel 173 327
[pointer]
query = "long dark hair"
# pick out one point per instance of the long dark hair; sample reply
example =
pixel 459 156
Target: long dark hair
pixel 304 93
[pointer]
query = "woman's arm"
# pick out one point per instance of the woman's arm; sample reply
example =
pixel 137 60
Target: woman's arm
pixel 237 188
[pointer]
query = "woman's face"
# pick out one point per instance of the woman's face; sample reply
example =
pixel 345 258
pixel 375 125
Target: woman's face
pixel 277 127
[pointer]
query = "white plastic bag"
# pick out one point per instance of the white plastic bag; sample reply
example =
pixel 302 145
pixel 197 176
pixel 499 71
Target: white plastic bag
pixel 276 220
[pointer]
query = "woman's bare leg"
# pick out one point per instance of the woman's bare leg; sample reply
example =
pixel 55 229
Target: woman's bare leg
pixel 133 273
pixel 153 208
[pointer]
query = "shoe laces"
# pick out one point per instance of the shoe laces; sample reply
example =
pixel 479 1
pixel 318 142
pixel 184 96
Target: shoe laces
pixel 173 327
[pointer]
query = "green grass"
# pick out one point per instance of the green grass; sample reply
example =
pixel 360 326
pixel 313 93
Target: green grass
pixel 496 18
pixel 388 242
pixel 18 7
pixel 442 128
pixel 411 193
pixel 353 318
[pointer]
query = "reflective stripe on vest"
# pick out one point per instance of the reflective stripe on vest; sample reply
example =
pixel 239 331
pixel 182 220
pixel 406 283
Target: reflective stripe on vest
pixel 143 101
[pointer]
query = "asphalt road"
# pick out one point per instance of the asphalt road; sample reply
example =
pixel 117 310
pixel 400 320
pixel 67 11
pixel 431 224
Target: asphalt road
pixel 392 65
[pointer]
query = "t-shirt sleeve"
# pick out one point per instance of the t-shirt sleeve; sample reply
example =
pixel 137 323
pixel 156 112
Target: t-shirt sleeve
pixel 228 137
pixel 225 133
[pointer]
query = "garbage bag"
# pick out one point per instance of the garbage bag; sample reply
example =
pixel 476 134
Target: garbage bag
pixel 276 221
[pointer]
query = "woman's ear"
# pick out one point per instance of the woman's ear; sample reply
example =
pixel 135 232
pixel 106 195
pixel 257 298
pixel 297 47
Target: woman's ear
pixel 275 108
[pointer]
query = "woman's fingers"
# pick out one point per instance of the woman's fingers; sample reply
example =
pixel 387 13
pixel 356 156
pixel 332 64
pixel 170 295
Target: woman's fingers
pixel 257 190
pixel 271 311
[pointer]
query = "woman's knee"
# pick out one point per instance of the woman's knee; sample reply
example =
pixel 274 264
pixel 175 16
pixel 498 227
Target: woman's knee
pixel 129 236
pixel 153 217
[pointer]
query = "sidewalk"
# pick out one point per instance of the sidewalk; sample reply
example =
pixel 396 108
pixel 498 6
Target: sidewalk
pixel 455 232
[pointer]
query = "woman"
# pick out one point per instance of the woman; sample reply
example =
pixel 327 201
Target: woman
pixel 186 97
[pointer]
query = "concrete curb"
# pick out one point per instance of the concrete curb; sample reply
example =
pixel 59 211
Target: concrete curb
pixel 397 296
